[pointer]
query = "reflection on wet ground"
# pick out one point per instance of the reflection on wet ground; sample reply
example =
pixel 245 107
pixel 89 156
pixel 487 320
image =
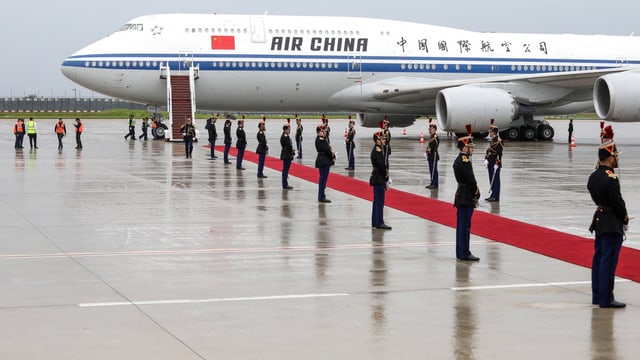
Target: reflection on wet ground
pixel 127 249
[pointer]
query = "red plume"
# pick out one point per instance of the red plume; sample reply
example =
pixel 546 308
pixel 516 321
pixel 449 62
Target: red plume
pixel 601 125
pixel 288 121
pixel 468 126
pixel 430 119
pixel 608 132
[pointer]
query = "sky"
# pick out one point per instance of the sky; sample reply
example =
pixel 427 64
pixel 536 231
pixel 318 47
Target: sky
pixel 38 36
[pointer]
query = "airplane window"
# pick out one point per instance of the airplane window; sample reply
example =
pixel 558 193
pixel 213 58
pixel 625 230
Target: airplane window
pixel 513 68
pixel 135 64
pixel 286 65
pixel 253 64
pixel 336 65
pixel 128 64
pixel 186 30
pixel 298 65
pixel 200 30
pixel 469 67
pixel 227 64
pixel 304 65
pixel 526 68
pixel 323 65
pixel 93 64
pixel 434 66
pixel 273 64
pixel 445 66
pixel 421 66
pixel 279 65
pixel 260 65
pixel 100 64
pixel 247 65
pixel 457 66
pixel 206 30
pixel 120 63
pixel 317 66
pixel 148 63
pixel 155 64
pixel 402 66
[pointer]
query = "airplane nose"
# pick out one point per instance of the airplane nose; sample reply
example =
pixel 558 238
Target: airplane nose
pixel 68 71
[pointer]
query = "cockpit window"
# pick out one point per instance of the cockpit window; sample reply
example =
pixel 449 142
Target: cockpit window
pixel 127 27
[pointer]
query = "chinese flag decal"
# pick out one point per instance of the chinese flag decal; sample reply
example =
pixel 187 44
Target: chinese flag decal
pixel 223 42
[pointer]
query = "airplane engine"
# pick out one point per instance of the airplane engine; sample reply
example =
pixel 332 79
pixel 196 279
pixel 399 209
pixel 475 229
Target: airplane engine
pixel 373 120
pixel 616 97
pixel 456 107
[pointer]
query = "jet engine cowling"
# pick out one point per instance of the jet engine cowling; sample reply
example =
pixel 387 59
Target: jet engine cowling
pixel 459 106
pixel 373 120
pixel 616 97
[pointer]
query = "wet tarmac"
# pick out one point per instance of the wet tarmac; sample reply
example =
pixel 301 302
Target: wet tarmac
pixel 126 249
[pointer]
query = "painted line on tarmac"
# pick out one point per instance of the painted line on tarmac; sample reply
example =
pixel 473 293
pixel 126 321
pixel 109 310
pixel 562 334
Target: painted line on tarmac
pixel 212 300
pixel 530 285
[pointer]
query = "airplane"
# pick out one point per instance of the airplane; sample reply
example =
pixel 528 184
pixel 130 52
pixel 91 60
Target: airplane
pixel 371 67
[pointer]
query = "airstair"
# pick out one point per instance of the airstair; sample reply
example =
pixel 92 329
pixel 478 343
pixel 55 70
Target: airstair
pixel 181 100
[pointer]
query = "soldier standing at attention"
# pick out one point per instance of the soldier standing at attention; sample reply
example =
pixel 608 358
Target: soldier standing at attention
pixel 286 155
pixel 378 179
pixel 299 129
pixel 61 131
pixel 387 139
pixel 227 140
pixel 493 162
pixel 262 148
pixel 132 128
pixel 466 197
pixel 351 145
pixel 432 155
pixel 188 134
pixel 32 132
pixel 241 143
pixel 79 128
pixel 610 222
pixel 324 160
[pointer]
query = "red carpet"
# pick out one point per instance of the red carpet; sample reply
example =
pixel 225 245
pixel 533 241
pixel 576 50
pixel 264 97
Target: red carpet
pixel 566 247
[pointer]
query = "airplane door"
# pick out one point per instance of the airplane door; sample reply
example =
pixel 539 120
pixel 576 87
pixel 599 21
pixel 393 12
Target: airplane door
pixel 257 30
pixel 355 66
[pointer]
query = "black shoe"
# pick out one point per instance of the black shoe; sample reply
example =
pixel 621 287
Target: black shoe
pixel 491 199
pixel 431 187
pixel 384 227
pixel 262 177
pixel 325 200
pixel 470 258
pixel 349 168
pixel 215 157
pixel 288 187
pixel 615 304
pixel 241 168
pixel 227 163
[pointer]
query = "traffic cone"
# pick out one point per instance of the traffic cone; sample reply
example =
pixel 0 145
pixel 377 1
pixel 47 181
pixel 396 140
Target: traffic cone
pixel 573 141
pixel 404 131
pixel 421 137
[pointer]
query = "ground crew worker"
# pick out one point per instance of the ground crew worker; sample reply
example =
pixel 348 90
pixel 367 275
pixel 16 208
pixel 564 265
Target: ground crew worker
pixel 145 126
pixel 188 134
pixel 610 222
pixel 299 129
pixel 154 128
pixel 262 148
pixel 466 196
pixel 241 143
pixel 351 145
pixel 493 162
pixel 286 155
pixel 227 140
pixel 379 178
pixel 432 155
pixel 18 131
pixel 32 132
pixel 60 130
pixel 79 129
pixel 132 128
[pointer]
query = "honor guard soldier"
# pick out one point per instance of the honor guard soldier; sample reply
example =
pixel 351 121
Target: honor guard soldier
pixel 286 155
pixel 432 155
pixel 299 129
pixel 350 144
pixel 61 131
pixel 379 179
pixel 466 197
pixel 493 162
pixel 227 140
pixel 324 160
pixel 387 139
pixel 610 221
pixel 188 134
pixel 241 143
pixel 262 148
pixel 213 134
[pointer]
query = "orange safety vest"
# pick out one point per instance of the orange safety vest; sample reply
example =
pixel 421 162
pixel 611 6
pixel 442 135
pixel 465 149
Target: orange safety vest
pixel 60 128
pixel 18 128
pixel 79 128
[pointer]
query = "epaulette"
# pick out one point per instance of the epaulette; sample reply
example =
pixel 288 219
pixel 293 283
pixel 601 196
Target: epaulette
pixel 465 158
pixel 378 149
pixel 611 174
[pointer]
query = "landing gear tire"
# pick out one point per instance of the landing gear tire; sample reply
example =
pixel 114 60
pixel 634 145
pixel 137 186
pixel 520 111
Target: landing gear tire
pixel 510 134
pixel 528 133
pixel 160 132
pixel 546 132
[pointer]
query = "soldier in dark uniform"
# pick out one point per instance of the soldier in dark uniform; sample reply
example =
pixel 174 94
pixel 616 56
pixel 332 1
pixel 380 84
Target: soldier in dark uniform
pixel 213 134
pixel 324 160
pixel 262 148
pixel 387 139
pixel 432 155
pixel 351 145
pixel 286 155
pixel 379 178
pixel 466 197
pixel 610 221
pixel 299 129
pixel 241 143
pixel 227 140
pixel 188 134
pixel 493 161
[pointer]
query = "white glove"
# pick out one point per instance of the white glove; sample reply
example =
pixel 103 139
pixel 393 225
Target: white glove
pixel 495 167
pixel 625 227
pixel 486 163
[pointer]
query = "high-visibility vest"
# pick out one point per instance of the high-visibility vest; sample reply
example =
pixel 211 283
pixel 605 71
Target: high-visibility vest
pixel 60 128
pixel 31 127
pixel 17 128
pixel 79 128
